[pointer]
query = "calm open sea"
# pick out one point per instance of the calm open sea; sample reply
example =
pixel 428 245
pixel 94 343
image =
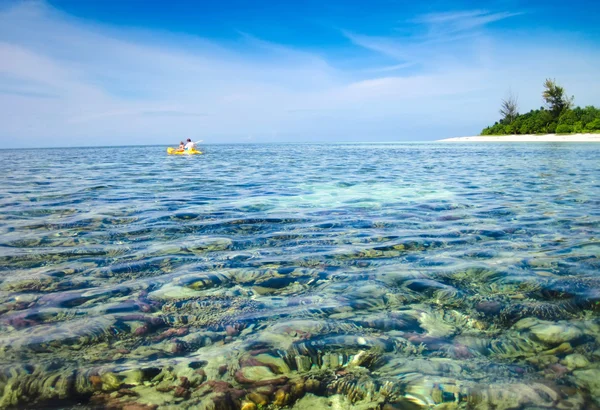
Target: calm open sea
pixel 383 276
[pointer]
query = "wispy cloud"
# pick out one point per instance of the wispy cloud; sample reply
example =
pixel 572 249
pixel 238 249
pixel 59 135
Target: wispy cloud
pixel 450 23
pixel 439 28
pixel 389 68
pixel 24 92
pixel 464 20
pixel 174 113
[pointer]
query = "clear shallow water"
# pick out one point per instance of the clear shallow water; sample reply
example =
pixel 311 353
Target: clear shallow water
pixel 363 276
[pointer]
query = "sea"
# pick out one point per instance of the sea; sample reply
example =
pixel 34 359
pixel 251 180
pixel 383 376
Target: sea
pixel 256 276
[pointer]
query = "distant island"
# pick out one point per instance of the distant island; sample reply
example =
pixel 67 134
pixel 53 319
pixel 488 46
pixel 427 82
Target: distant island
pixel 589 137
pixel 557 117
pixel 558 120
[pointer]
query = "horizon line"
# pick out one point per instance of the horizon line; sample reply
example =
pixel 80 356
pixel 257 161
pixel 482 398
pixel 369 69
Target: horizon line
pixel 227 143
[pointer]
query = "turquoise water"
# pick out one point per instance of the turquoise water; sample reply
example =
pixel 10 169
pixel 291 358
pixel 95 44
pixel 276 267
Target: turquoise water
pixel 353 275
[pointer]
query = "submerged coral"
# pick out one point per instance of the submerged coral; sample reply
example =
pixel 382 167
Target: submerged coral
pixel 309 282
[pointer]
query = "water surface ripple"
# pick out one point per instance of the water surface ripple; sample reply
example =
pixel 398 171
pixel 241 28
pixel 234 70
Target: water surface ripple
pixel 371 276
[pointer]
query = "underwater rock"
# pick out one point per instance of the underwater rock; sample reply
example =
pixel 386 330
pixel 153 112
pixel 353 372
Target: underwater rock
pixel 173 292
pixel 589 379
pixel 217 312
pixel 389 321
pixel 337 401
pixel 281 397
pixel 258 375
pixel 513 396
pixel 575 361
pixel 429 366
pixel 205 281
pixel 478 344
pixel 248 405
pixel 542 360
pixel 136 406
pixel 27 282
pixel 182 392
pixel 550 332
pixel 73 334
pixel 150 396
pixel 339 349
pixel 489 308
pixel 133 377
pixel 216 394
pixel 110 382
pixel 431 288
pixel 303 328
pixel 276 364
pixel 433 391
pixel 556 371
pixel 258 398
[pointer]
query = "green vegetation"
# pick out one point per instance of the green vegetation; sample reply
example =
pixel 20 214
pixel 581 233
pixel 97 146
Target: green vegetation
pixel 557 116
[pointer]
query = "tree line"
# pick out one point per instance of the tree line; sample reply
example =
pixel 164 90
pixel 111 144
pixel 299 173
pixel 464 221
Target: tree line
pixel 556 116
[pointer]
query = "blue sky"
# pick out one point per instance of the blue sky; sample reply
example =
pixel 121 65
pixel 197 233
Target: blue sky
pixel 111 72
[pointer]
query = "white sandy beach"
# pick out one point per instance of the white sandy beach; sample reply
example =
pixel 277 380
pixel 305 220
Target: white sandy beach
pixel 527 138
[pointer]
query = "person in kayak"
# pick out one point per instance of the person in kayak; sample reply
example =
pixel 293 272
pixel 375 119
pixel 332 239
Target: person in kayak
pixel 181 147
pixel 190 146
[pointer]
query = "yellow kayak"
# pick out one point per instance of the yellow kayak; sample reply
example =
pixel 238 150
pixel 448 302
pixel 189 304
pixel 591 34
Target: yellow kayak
pixel 174 151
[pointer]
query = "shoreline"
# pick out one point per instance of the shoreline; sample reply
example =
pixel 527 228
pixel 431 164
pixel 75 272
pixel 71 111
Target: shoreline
pixel 527 138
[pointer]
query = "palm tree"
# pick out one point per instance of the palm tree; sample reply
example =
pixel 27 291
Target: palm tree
pixel 554 96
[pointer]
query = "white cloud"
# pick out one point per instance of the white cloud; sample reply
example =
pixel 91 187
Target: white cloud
pixel 462 20
pixel 389 68
pixel 65 81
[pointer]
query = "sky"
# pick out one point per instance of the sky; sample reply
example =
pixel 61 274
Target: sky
pixel 129 72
